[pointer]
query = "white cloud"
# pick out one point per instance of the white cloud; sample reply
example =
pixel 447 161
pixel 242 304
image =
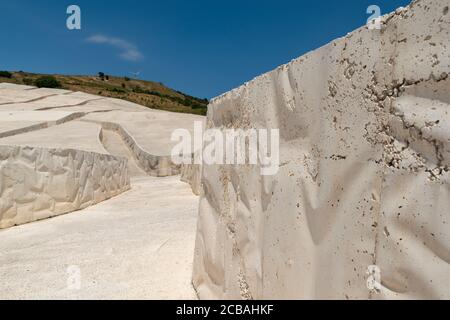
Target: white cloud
pixel 128 50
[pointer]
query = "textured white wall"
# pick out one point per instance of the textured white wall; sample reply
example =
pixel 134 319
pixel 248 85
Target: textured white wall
pixel 38 183
pixel 191 174
pixel 364 177
pixel 153 165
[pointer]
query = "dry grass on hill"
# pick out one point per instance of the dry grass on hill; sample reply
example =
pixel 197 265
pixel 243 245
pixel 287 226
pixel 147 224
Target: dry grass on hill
pixel 151 94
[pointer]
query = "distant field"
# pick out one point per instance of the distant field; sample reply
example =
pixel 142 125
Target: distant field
pixel 147 93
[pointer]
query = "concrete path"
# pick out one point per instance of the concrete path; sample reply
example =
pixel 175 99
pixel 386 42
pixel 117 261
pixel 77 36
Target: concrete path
pixel 138 245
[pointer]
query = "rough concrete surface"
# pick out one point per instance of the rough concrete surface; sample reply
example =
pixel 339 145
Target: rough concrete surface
pixel 16 122
pixel 72 135
pixel 38 183
pixel 364 175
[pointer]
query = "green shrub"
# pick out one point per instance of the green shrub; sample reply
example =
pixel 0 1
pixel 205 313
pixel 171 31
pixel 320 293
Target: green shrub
pixel 117 90
pixel 28 81
pixel 5 74
pixel 47 82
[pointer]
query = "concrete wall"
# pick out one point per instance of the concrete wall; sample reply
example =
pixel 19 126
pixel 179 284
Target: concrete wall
pixel 192 174
pixel 38 183
pixel 364 177
pixel 157 166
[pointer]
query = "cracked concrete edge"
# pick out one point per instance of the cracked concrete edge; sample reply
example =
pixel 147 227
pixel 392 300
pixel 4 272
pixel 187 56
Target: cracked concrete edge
pixel 79 104
pixel 157 166
pixel 29 100
pixel 39 183
pixel 393 128
pixel 35 127
pixel 43 125
pixel 192 175
pixel 153 165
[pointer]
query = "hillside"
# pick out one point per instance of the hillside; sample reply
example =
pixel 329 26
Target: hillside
pixel 147 93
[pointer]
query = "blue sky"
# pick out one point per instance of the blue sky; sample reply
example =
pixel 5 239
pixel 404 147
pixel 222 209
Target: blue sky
pixel 200 47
